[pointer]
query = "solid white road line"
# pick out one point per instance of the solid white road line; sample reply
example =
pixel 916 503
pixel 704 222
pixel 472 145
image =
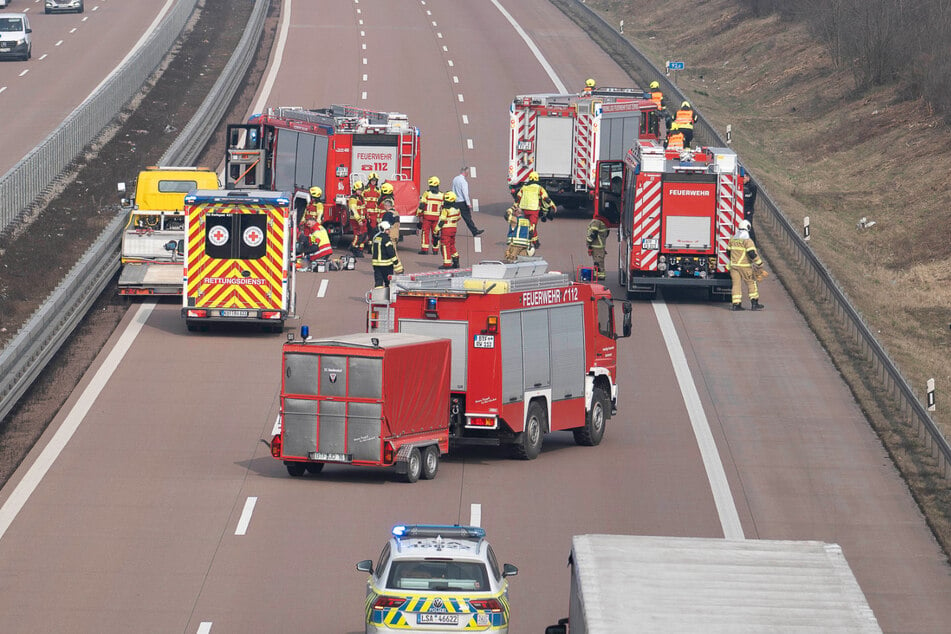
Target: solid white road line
pixel 21 494
pixel 531 46
pixel 242 528
pixel 475 515
pixel 278 57
pixel 722 497
pixel 323 287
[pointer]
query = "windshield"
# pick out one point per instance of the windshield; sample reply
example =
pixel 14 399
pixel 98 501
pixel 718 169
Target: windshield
pixel 9 25
pixel 437 575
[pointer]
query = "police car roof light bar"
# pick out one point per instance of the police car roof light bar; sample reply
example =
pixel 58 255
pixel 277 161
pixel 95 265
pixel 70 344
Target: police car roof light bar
pixel 439 530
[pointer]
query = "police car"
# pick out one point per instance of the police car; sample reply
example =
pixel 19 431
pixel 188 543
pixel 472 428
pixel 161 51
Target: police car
pixel 437 579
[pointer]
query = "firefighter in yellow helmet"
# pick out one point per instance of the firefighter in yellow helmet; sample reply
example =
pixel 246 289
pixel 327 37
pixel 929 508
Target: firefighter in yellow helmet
pixel 385 261
pixel 743 256
pixel 371 202
pixel 430 207
pixel 595 238
pixel 314 243
pixel 449 218
pixel 387 210
pixel 683 122
pixel 519 237
pixel 589 85
pixel 534 202
pixel 315 207
pixel 358 221
pixel 657 96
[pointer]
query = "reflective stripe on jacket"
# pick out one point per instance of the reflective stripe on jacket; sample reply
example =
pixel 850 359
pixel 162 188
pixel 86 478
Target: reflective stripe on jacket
pixel 384 253
pixel 684 119
pixel 431 204
pixel 742 250
pixel 532 197
pixel 449 217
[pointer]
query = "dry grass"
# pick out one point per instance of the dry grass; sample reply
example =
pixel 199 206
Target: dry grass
pixel 824 150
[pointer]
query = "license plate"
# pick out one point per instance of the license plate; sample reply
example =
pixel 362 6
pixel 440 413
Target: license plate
pixel 484 341
pixel 438 618
pixel 329 457
pixel 235 313
pixel 524 146
pixel 650 244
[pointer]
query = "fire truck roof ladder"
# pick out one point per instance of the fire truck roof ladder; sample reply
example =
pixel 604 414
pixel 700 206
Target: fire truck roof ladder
pixel 299 114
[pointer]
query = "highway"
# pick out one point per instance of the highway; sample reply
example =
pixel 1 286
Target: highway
pixel 151 505
pixel 72 54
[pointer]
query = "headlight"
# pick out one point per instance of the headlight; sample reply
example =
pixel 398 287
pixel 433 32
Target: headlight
pixel 21 41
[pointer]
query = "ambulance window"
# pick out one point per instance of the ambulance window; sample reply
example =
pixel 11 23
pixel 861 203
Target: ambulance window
pixel 493 563
pixel 253 244
pixel 384 559
pixel 605 318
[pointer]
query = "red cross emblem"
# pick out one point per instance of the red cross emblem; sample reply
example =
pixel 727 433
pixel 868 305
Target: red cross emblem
pixel 218 235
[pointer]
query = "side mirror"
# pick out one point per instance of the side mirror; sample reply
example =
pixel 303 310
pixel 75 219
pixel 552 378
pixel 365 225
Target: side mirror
pixel 626 308
pixel 365 566
pixel 171 245
pixel 561 628
pixel 508 570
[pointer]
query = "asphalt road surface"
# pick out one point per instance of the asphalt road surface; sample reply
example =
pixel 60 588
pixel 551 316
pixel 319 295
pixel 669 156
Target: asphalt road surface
pixel 163 511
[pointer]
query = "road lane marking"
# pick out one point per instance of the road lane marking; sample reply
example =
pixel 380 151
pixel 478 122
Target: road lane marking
pixel 455 79
pixel 460 97
pixel 450 63
pixel 324 282
pixel 242 528
pixel 278 57
pixel 720 486
pixel 363 96
pixel 478 244
pixel 3 88
pixel 465 119
pixel 84 19
pixel 445 49
pixel 58 43
pixel 531 46
pixel 204 628
pixel 73 30
pixel 472 173
pixel 469 144
pixel 24 72
pixel 34 475
pixel 43 56
pixel 475 515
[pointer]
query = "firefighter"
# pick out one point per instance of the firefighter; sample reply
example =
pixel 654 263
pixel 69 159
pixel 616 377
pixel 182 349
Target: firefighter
pixel 316 244
pixel 675 140
pixel 316 206
pixel 749 201
pixel 430 206
pixel 389 214
pixel 358 221
pixel 595 237
pixel 534 202
pixel 519 237
pixel 657 96
pixel 742 258
pixel 683 122
pixel 589 85
pixel 385 260
pixel 371 202
pixel 446 227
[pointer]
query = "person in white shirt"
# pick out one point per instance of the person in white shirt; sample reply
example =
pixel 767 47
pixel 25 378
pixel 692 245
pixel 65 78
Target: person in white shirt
pixel 460 186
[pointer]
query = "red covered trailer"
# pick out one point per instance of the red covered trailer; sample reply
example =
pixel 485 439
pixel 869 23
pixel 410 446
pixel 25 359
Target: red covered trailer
pixel 377 399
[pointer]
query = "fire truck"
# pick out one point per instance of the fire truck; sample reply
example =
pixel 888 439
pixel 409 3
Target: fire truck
pixel 239 258
pixel 675 211
pixel 292 149
pixel 532 351
pixel 562 137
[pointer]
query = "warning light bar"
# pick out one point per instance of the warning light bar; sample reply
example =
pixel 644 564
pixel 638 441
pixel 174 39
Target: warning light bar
pixel 438 530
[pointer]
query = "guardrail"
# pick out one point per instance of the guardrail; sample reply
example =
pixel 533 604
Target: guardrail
pixel 639 67
pixel 40 338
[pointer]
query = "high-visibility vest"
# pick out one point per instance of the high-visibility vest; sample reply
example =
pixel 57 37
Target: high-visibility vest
pixel 675 141
pixel 315 210
pixel 371 198
pixel 741 251
pixel 431 203
pixel 658 98
pixel 355 205
pixel 450 216
pixel 321 238
pixel 520 232
pixel 383 252
pixel 530 196
pixel 684 119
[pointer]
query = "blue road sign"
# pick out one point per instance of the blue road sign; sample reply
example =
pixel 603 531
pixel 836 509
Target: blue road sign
pixel 675 65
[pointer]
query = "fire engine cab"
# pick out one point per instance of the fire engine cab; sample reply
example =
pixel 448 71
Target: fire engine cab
pixel 292 149
pixel 532 351
pixel 675 211
pixel 562 137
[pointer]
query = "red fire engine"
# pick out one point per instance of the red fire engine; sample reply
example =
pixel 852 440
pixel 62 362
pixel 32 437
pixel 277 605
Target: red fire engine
pixel 563 137
pixel 292 149
pixel 532 351
pixel 675 211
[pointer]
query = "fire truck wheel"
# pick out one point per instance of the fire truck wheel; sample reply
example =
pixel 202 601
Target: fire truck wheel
pixel 295 469
pixel 314 468
pixel 430 462
pixel 530 440
pixel 414 466
pixel 593 430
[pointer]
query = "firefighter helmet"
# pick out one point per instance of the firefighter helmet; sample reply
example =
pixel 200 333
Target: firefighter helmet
pixel 655 85
pixel 373 177
pixel 316 192
pixel 386 188
pixel 589 83
pixel 533 177
pixel 357 186
pixel 450 197
pixel 434 181
pixel 685 105
pixel 744 225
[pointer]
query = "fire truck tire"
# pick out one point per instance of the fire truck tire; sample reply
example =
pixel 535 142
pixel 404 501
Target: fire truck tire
pixel 530 441
pixel 295 469
pixel 430 462
pixel 414 466
pixel 593 430
pixel 313 468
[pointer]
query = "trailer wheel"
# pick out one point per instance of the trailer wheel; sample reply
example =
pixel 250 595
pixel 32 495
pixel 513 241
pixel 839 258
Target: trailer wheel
pixel 593 430
pixel 295 469
pixel 314 468
pixel 414 466
pixel 430 462
pixel 530 440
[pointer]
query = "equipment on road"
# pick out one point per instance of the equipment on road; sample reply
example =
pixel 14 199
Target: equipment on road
pixel 532 351
pixel 367 400
pixel 560 138
pixel 153 241
pixel 239 258
pixel 675 212
pixel 628 583
pixel 292 149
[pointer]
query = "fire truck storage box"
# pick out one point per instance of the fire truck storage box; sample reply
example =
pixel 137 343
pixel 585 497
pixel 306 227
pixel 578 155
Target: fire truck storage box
pixel 374 386
pixel 724 160
pixel 500 270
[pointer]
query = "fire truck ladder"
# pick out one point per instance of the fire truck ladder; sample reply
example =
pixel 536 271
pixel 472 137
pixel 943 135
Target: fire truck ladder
pixel 407 158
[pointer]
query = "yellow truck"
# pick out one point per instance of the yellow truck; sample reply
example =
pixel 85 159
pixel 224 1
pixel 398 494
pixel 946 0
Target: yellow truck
pixel 153 241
